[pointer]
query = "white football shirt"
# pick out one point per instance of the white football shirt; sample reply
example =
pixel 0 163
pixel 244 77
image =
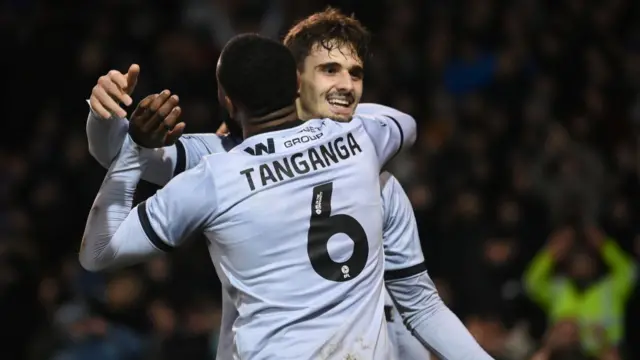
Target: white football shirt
pixel 294 220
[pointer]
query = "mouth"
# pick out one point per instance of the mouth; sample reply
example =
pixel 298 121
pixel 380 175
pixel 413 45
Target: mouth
pixel 341 105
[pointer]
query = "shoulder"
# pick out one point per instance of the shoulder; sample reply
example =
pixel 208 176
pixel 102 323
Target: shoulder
pixel 388 183
pixel 211 142
pixel 232 161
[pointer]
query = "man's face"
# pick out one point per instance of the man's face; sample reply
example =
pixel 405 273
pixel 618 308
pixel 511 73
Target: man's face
pixel 330 83
pixel 582 266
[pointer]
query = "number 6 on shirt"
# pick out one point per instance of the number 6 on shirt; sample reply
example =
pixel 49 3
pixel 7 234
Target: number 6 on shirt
pixel 323 226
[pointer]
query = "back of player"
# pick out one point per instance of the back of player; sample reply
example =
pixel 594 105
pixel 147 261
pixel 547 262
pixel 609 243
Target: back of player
pixel 293 214
pixel 297 231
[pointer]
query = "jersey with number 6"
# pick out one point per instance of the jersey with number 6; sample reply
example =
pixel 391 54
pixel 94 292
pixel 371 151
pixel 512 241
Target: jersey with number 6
pixel 294 222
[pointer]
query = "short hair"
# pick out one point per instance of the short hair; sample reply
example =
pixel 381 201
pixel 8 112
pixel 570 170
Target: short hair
pixel 330 29
pixel 258 74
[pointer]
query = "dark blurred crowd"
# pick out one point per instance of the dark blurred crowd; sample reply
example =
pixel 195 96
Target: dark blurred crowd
pixel 528 113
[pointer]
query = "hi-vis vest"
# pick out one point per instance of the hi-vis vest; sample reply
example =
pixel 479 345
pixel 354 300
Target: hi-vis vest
pixel 599 309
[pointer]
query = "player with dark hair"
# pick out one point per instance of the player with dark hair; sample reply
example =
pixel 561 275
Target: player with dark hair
pixel 331 30
pixel 269 217
pixel 329 49
pixel 326 46
pixel 270 87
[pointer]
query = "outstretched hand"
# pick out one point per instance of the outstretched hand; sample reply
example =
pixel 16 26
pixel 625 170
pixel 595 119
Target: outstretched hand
pixel 155 121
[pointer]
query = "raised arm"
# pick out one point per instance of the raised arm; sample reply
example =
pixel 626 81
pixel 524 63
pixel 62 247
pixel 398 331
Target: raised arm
pixel 117 236
pixel 112 236
pixel 106 123
pixel 105 137
pixel 154 125
pixel 410 286
pixel 622 267
pixel 538 278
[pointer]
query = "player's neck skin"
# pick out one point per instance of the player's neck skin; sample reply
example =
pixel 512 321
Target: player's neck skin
pixel 253 125
pixel 326 76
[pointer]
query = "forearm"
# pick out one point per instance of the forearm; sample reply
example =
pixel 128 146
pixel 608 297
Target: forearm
pixel 430 321
pixel 113 234
pixel 448 337
pixel 622 268
pixel 616 258
pixel 538 276
pixel 105 137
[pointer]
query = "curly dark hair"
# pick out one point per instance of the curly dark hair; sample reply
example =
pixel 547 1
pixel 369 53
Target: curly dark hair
pixel 330 29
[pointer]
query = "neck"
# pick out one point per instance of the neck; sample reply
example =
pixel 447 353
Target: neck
pixel 254 125
pixel 304 116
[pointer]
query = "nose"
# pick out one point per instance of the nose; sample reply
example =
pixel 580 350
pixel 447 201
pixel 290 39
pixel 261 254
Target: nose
pixel 345 82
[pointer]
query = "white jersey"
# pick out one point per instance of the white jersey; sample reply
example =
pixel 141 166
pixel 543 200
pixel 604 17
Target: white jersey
pixel 294 225
pixel 116 236
pixel 167 162
pixel 399 231
pixel 403 251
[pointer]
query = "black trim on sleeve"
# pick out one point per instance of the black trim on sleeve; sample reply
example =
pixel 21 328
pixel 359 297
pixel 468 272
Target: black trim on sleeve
pixel 181 158
pixel 401 135
pixel 148 229
pixel 405 273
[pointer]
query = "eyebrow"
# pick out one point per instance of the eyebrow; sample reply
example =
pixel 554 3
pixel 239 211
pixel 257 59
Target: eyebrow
pixel 357 68
pixel 327 64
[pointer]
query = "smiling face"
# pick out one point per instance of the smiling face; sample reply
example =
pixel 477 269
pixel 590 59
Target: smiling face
pixel 330 83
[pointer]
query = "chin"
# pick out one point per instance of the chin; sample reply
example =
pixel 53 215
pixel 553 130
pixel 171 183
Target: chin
pixel 340 117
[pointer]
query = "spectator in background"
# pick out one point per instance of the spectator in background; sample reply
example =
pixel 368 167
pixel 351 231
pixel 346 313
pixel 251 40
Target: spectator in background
pixel 580 301
pixel 562 342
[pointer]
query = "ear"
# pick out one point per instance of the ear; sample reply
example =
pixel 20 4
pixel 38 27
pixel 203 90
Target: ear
pixel 299 81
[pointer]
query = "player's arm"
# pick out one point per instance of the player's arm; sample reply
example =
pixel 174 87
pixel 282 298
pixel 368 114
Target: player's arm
pixel 390 130
pixel 148 121
pixel 107 124
pixel 161 162
pixel 116 235
pixel 105 136
pixel 410 286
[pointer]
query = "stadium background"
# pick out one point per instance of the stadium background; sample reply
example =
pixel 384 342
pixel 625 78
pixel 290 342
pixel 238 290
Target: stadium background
pixel 528 113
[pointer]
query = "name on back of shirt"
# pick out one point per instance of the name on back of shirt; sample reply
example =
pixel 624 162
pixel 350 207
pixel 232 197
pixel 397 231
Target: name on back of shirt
pixel 312 159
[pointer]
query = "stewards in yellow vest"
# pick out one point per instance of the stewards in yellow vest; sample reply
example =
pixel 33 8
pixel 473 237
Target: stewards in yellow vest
pixel 595 304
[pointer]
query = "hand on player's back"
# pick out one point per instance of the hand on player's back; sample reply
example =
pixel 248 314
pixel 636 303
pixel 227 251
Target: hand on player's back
pixel 154 122
pixel 112 90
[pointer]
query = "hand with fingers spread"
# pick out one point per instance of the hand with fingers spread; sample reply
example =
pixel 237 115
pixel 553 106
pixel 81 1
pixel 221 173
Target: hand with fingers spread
pixel 114 89
pixel 155 121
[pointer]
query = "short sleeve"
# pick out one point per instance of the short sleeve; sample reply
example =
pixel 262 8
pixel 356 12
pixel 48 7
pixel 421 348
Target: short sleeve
pixel 389 129
pixel 184 206
pixel 165 163
pixel 403 251
pixel 192 148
